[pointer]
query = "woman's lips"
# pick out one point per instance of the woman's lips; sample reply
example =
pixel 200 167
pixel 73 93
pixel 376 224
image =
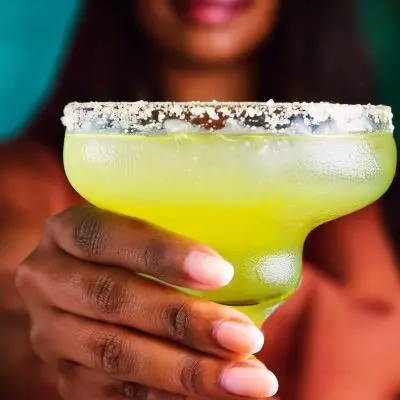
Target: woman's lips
pixel 212 12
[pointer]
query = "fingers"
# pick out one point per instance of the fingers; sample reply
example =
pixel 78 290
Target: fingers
pixel 115 296
pixel 89 309
pixel 129 356
pixel 79 383
pixel 102 237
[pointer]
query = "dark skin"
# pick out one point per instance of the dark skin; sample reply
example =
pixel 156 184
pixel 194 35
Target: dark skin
pixel 102 332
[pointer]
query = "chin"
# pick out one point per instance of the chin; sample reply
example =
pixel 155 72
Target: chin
pixel 220 47
pixel 210 53
pixel 213 59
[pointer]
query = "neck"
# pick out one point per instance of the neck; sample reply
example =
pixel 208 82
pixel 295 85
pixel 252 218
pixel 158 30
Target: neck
pixel 231 83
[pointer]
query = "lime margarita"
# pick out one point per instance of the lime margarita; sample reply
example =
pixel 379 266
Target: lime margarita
pixel 253 193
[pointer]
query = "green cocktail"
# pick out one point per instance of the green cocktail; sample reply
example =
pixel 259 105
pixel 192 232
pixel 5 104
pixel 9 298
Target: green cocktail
pixel 251 180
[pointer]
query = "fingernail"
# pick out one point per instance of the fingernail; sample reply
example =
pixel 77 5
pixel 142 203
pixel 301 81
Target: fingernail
pixel 250 382
pixel 238 337
pixel 208 270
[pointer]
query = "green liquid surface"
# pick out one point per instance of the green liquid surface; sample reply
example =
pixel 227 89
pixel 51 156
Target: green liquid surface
pixel 253 198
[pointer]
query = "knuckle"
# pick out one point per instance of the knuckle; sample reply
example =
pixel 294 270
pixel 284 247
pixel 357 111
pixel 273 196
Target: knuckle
pixel 131 390
pixel 25 274
pixel 23 277
pixel 67 369
pixel 39 341
pixel 55 225
pixel 155 256
pixel 67 377
pixel 64 387
pixel 50 223
pixel 192 376
pixel 88 234
pixel 105 295
pixel 36 336
pixel 110 356
pixel 177 319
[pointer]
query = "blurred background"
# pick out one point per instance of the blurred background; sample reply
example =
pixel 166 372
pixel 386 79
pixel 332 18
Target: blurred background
pixel 42 67
pixel 36 36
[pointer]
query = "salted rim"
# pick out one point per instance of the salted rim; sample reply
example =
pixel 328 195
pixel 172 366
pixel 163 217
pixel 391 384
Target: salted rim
pixel 230 117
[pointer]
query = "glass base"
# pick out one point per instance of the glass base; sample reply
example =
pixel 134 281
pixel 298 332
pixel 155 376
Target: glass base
pixel 258 313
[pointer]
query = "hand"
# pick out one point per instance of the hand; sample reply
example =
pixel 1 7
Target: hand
pixel 112 334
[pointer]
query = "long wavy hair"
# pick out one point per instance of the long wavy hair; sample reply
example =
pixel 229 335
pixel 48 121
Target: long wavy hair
pixel 316 53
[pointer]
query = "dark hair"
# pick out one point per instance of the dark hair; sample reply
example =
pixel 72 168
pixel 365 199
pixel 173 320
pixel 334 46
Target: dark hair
pixel 316 53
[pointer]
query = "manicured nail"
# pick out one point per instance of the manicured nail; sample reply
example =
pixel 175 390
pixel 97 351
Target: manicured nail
pixel 238 337
pixel 208 270
pixel 250 382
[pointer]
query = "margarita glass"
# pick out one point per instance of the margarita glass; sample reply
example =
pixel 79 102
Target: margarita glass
pixel 250 180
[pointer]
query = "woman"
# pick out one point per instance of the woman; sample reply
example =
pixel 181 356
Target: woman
pixel 107 333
